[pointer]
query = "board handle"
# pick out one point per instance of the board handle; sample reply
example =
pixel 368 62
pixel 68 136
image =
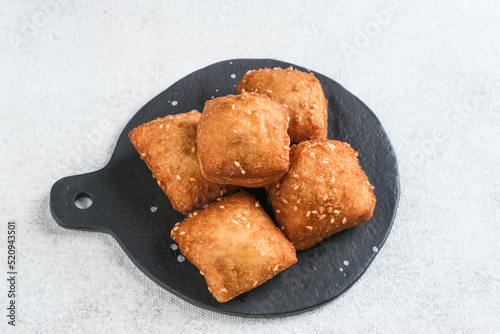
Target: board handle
pixel 78 202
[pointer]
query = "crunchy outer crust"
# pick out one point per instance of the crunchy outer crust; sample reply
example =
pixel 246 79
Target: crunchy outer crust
pixel 243 140
pixel 301 92
pixel 168 146
pixel 234 244
pixel 324 192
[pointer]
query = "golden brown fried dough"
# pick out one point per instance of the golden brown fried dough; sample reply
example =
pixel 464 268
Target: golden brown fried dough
pixel 301 92
pixel 234 244
pixel 324 192
pixel 168 146
pixel 243 140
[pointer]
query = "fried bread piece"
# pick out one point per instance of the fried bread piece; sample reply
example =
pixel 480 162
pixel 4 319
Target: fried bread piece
pixel 300 92
pixel 324 192
pixel 242 140
pixel 234 244
pixel 168 146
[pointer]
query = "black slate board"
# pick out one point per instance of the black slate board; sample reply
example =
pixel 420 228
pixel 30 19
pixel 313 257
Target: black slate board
pixel 124 192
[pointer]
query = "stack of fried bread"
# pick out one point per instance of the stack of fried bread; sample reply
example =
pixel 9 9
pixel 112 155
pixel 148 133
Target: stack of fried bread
pixel 203 162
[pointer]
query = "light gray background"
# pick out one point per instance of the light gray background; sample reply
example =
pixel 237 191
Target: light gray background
pixel 73 73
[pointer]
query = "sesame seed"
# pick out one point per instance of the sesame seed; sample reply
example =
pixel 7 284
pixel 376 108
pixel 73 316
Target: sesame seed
pixel 237 164
pixel 356 154
pixel 285 105
pixel 182 233
pixel 243 171
pixel 190 215
pixel 243 218
pixel 332 221
pixel 245 213
pixel 234 221
pixel 219 199
pixel 282 228
pixel 255 283
pixel 178 176
pixel 336 212
pixel 277 185
pixel 285 201
pixel 312 111
pixel 256 204
pixel 308 213
pixel 315 212
pixel 192 179
pixel 296 187
pixel 248 225
pixel 286 147
pixel 195 213
pixel 278 211
pixel 296 175
pixel 221 193
pixel 322 217
pixel 143 154
pixel 344 220
pixel 159 183
pixel 223 290
pixel 325 161
pixel 238 215
pixel 233 106
pixel 209 289
pixel 202 273
pixel 309 228
pixel 321 209
pixel 269 91
pixel 161 125
pixel 300 119
pixel 325 197
pixel 295 208
pixel 176 228
pixel 222 206
pixel 333 179
pixel 249 112
pixel 330 210
pixel 276 267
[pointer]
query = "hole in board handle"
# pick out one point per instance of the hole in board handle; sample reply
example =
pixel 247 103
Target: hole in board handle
pixel 83 201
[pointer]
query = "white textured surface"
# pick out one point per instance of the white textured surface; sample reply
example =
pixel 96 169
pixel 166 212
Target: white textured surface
pixel 73 73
